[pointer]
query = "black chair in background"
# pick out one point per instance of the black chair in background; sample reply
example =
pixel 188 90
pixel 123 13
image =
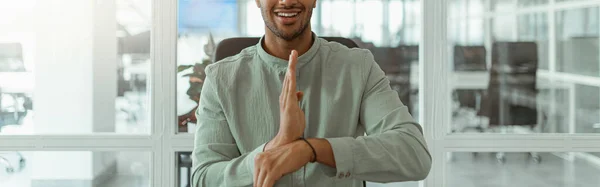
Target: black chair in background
pixel 468 59
pixel 396 63
pixel 409 55
pixel 233 46
pixel 511 95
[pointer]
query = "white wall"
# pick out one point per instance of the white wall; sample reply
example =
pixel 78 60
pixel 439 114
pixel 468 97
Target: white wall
pixel 104 79
pixel 63 54
pixel 104 66
pixel 75 82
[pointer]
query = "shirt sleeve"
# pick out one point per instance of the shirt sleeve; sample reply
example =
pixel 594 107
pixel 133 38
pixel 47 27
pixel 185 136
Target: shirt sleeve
pixel 216 159
pixel 394 149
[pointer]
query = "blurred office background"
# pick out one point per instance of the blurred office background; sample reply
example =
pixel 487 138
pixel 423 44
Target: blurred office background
pixel 82 68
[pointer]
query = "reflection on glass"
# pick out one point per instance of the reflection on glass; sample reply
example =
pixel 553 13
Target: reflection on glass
pixel 587 109
pixel 75 168
pixel 501 80
pixel 520 170
pixel 566 0
pixel 465 8
pixel 506 101
pixel 577 41
pixel 534 27
pixel 75 69
pixel 511 5
pixel 503 28
pixel 371 24
pixel 466 31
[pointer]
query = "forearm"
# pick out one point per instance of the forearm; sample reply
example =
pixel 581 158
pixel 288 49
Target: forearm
pixel 212 169
pixel 396 155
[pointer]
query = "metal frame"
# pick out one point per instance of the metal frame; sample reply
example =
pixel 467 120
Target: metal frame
pixel 163 143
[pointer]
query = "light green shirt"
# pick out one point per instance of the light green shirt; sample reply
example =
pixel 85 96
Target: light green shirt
pixel 345 95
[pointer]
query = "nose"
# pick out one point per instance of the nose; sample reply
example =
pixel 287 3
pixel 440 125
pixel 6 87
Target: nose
pixel 288 3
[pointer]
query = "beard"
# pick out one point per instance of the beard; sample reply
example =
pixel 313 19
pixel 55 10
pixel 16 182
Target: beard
pixel 280 33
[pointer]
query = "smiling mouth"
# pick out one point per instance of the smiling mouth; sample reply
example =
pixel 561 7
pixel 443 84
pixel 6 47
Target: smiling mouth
pixel 287 15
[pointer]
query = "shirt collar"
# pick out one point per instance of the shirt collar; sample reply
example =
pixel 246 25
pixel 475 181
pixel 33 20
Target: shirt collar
pixel 281 64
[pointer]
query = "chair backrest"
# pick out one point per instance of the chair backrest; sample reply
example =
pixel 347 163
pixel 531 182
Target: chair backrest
pixel 469 58
pixel 513 73
pixel 396 62
pixel 514 64
pixel 232 46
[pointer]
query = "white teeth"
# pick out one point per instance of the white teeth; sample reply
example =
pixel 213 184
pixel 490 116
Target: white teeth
pixel 287 14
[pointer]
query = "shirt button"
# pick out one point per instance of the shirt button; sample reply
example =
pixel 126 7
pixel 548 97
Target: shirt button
pixel 341 176
pixel 347 174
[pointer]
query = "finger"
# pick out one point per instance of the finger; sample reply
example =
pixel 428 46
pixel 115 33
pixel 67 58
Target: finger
pixel 255 176
pixel 300 95
pixel 261 178
pixel 292 62
pixel 284 87
pixel 284 90
pixel 292 71
pixel 269 181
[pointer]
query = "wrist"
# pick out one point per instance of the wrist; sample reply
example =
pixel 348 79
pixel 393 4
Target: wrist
pixel 324 151
pixel 305 150
pixel 278 141
pixel 317 144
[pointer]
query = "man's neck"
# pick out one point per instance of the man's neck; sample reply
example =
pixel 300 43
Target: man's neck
pixel 281 48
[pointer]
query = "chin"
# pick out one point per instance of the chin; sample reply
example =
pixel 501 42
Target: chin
pixel 290 36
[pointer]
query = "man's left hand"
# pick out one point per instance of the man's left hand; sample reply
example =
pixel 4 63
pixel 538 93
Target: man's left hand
pixel 271 165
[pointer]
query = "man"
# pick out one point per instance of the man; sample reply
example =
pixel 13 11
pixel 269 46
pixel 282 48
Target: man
pixel 290 111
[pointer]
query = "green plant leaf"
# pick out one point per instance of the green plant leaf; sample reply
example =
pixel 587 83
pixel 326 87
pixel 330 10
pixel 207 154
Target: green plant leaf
pixel 183 67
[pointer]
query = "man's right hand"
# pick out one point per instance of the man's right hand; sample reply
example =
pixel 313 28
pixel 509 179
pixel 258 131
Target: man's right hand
pixel 291 118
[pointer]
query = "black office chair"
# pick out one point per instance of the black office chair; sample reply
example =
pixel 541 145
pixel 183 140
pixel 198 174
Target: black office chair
pixel 232 46
pixel 469 58
pixel 512 93
pixel 466 59
pixel 396 63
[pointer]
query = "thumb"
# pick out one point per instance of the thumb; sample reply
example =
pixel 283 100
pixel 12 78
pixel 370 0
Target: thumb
pixel 299 95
